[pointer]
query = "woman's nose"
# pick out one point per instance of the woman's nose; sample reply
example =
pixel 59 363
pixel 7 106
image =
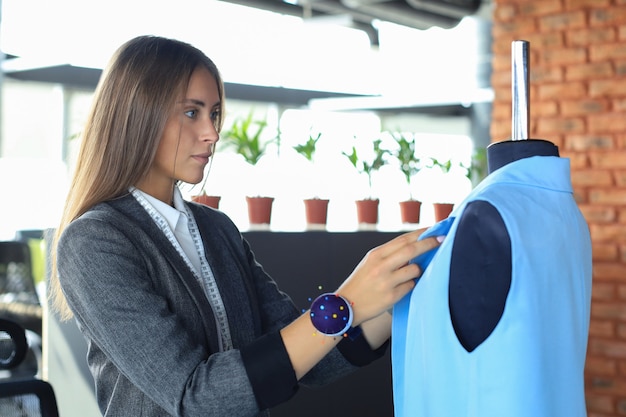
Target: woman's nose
pixel 210 133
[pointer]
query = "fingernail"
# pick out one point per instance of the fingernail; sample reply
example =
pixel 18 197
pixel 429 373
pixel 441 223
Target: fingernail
pixel 440 238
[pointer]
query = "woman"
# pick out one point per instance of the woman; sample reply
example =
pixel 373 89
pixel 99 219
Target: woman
pixel 179 317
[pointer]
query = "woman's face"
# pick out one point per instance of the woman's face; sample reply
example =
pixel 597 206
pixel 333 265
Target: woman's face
pixel 188 139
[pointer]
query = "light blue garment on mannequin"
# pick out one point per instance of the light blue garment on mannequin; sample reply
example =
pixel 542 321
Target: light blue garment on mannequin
pixel 532 364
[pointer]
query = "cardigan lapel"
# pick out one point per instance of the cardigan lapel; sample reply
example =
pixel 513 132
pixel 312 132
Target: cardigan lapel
pixel 141 222
pixel 226 255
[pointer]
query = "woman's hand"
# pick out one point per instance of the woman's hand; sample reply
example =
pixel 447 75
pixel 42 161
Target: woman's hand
pixel 381 279
pixel 384 275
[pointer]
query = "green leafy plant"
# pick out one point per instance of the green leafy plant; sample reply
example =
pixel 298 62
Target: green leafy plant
pixel 316 208
pixel 245 137
pixel 442 207
pixel 477 169
pixel 410 164
pixel 368 166
pixel 445 166
pixel 307 150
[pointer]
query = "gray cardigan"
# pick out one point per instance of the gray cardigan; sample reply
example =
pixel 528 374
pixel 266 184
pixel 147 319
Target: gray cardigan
pixel 150 329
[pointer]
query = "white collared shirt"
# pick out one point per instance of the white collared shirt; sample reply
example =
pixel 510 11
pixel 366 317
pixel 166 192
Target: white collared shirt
pixel 182 232
pixel 176 218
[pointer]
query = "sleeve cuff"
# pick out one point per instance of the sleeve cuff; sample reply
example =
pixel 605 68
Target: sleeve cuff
pixel 358 352
pixel 269 370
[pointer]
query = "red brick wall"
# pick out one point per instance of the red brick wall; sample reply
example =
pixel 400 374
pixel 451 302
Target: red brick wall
pixel 578 102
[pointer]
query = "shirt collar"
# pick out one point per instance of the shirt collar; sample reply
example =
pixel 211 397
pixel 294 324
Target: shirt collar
pixel 169 213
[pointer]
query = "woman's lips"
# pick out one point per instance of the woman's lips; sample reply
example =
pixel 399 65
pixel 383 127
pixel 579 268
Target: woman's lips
pixel 203 158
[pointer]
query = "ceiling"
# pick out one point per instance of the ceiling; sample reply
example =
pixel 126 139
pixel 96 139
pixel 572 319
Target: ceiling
pixel 87 78
pixel 417 14
pixel 359 14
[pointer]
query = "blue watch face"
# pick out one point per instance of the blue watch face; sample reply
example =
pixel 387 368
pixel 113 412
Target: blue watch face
pixel 331 315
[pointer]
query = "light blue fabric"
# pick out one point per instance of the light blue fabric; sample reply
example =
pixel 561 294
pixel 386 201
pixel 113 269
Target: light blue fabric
pixel 533 362
pixel 439 229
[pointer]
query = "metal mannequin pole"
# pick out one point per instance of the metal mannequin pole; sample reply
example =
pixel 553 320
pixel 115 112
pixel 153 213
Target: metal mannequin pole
pixel 520 90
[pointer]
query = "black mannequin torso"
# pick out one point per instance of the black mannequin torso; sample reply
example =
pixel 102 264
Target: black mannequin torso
pixel 501 153
pixel 479 285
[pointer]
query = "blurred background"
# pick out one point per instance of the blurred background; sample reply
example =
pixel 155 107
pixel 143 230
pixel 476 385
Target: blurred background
pixel 321 67
pixel 343 75
pixel 351 72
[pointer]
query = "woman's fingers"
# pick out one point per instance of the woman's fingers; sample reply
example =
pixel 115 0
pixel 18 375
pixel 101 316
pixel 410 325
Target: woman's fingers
pixel 399 258
pixel 399 241
pixel 385 275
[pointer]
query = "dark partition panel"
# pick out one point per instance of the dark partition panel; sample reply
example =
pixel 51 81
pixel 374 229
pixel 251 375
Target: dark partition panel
pixel 304 265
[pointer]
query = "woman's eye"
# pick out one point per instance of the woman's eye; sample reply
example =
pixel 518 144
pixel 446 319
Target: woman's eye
pixel 215 114
pixel 191 113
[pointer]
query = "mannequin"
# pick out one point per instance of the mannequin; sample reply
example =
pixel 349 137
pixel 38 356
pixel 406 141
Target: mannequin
pixel 478 294
pixel 497 324
pixel 502 153
pixel 479 285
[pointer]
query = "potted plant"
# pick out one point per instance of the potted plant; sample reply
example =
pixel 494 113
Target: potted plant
pixel 367 208
pixel 245 136
pixel 410 165
pixel 207 200
pixel 442 209
pixel 316 209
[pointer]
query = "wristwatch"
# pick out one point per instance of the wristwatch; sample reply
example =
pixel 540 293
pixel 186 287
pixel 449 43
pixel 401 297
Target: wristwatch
pixel 332 315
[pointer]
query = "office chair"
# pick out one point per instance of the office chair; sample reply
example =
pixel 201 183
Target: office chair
pixel 22 397
pixel 18 296
pixel 19 303
pixel 15 271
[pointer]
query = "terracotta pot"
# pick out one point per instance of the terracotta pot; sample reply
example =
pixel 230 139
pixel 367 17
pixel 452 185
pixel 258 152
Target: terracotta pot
pixel 259 209
pixel 442 210
pixel 410 211
pixel 316 210
pixel 207 200
pixel 367 211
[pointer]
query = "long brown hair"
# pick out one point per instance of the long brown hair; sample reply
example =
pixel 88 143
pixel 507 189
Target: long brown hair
pixel 136 93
